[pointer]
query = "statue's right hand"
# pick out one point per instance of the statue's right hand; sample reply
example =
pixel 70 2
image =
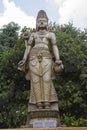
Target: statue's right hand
pixel 21 65
pixel 22 62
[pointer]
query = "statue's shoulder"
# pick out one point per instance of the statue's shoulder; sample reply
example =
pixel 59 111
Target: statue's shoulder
pixel 51 34
pixel 33 34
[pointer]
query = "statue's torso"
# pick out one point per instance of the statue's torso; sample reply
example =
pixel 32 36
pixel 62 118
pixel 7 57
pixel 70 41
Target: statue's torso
pixel 41 39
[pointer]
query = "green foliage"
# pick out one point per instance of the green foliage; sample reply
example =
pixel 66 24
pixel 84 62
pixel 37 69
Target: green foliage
pixel 14 89
pixel 9 35
pixel 71 85
pixel 73 122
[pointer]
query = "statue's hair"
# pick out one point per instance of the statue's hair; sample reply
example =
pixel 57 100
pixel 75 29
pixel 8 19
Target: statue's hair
pixel 42 14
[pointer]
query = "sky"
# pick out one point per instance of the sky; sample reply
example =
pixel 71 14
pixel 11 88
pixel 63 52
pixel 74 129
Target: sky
pixel 24 12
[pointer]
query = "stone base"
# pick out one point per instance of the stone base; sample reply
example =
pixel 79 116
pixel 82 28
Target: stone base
pixel 59 128
pixel 43 119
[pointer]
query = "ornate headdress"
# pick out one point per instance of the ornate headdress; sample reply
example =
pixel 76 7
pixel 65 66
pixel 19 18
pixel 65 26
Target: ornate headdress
pixel 42 14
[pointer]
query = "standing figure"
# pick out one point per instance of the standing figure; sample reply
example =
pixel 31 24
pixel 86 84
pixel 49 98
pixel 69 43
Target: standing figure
pixel 40 63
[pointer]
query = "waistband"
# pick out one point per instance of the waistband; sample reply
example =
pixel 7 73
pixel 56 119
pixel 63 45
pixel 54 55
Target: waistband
pixel 42 51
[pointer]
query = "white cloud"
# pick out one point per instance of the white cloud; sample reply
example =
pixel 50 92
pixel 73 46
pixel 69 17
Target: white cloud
pixel 72 11
pixel 15 14
pixel 75 11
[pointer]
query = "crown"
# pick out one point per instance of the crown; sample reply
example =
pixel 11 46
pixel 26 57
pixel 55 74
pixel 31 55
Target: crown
pixel 42 14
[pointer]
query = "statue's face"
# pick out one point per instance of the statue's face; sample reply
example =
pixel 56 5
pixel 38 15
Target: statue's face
pixel 42 23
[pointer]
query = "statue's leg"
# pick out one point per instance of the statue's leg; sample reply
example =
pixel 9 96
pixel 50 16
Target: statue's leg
pixel 47 88
pixel 36 84
pixel 36 79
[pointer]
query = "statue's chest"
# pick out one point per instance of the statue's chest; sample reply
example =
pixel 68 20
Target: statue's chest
pixel 42 38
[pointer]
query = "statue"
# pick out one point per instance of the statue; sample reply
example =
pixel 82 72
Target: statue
pixel 39 61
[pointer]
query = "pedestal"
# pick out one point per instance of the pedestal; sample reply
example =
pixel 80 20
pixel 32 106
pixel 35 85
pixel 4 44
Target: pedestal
pixel 43 119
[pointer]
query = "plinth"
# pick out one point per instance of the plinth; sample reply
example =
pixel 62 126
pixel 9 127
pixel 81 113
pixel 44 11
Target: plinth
pixel 43 119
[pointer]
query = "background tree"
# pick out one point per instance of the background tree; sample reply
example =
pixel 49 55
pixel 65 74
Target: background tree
pixel 72 88
pixel 11 80
pixel 9 35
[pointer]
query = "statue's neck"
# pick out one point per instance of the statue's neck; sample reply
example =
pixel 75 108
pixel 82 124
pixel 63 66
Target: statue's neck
pixel 42 31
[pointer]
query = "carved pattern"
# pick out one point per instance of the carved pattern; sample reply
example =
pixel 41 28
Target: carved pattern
pixel 43 114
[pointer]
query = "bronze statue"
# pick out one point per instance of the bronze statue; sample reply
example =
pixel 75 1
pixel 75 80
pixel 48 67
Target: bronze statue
pixel 39 60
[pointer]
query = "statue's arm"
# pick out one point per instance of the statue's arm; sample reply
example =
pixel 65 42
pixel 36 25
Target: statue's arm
pixel 28 47
pixel 56 52
pixel 54 47
pixel 26 54
pixel 27 51
pixel 58 66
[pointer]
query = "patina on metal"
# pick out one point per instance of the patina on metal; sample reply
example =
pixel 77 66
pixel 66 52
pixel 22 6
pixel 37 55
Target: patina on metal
pixel 39 60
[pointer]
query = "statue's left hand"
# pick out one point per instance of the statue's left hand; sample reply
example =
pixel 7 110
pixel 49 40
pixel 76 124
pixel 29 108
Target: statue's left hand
pixel 58 66
pixel 59 62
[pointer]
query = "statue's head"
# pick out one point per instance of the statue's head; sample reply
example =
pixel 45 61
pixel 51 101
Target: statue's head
pixel 42 20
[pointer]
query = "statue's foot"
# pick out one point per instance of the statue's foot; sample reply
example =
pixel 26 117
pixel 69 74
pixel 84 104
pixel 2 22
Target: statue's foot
pixel 39 105
pixel 47 105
